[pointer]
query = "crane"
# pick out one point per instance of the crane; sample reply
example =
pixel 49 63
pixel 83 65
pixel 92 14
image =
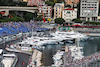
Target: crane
pixel 42 13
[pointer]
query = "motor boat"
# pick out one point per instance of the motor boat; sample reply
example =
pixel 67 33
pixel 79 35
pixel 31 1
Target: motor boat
pixel 58 58
pixel 76 52
pixel 70 34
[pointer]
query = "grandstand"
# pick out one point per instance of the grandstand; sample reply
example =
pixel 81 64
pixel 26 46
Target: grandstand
pixel 10 28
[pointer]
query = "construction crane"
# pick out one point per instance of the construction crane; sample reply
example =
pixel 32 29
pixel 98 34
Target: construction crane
pixel 42 13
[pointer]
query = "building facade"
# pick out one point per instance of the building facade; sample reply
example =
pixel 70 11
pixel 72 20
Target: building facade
pixel 58 10
pixel 89 10
pixel 34 2
pixel 72 2
pixel 69 14
pixel 46 10
pixel 25 0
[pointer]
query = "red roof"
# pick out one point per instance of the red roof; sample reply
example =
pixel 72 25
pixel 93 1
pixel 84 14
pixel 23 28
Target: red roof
pixel 69 9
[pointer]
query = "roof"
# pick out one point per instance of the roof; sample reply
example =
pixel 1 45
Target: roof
pixel 9 55
pixel 69 9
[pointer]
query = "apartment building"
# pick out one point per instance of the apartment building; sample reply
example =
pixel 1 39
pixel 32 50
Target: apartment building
pixel 34 2
pixel 46 10
pixel 58 10
pixel 69 14
pixel 72 2
pixel 89 10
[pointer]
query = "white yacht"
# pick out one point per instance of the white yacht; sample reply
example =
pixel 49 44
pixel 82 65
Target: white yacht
pixel 58 58
pixel 70 34
pixel 76 52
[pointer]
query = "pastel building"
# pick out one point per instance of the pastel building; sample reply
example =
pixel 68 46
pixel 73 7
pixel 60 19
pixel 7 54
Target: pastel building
pixel 25 0
pixel 72 2
pixel 46 10
pixel 58 10
pixel 69 14
pixel 34 2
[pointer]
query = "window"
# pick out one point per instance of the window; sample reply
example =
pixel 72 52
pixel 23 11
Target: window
pixel 68 11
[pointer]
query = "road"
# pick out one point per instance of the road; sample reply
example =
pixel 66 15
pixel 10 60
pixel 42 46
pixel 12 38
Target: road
pixel 22 58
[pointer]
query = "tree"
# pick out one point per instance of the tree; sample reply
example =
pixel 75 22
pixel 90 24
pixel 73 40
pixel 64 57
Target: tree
pixel 78 10
pixel 55 1
pixel 39 18
pixel 77 20
pixel 93 23
pixel 59 20
pixel 50 3
pixel 29 16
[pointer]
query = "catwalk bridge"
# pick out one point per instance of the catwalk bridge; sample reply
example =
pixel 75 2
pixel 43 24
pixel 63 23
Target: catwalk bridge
pixel 9 8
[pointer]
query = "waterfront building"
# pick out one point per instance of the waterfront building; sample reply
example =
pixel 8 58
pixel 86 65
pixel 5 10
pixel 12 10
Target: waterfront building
pixel 58 10
pixel 34 2
pixel 89 10
pixel 25 0
pixel 71 2
pixel 46 10
pixel 69 14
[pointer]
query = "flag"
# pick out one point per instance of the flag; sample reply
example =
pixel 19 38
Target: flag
pixel 49 19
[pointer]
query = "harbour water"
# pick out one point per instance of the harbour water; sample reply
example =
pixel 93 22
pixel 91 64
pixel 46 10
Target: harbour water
pixel 89 47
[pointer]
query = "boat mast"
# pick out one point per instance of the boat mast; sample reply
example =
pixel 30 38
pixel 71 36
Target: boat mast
pixel 32 32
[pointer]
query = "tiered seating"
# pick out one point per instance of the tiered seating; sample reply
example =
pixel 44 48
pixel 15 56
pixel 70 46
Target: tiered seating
pixel 10 28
